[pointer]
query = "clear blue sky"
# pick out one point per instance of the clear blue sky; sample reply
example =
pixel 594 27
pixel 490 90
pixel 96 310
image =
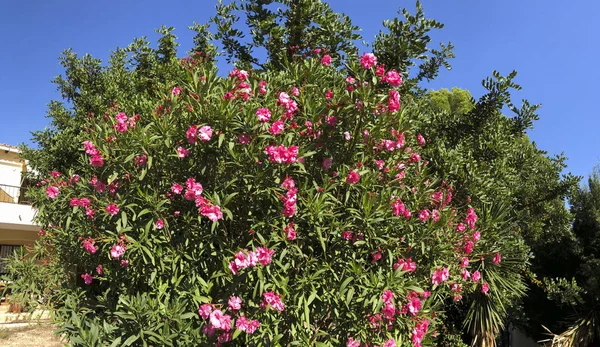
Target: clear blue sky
pixel 552 43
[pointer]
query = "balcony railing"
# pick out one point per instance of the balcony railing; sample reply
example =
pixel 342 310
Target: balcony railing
pixel 13 194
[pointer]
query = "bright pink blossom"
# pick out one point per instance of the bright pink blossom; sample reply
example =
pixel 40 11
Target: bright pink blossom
pixel 290 232
pixel 326 60
pixel 393 78
pixel 353 343
pixel 234 303
pixel 176 188
pixel 471 218
pixel 52 192
pixel 282 154
pixel 182 152
pixel 89 246
pixel 439 276
pixel 485 288
pixel 476 276
pixel 205 133
pixel 212 212
pixel 176 91
pixel 192 134
pixel 353 177
pixel 159 224
pixel 421 140
pixel 112 209
pixel 274 300
pixel 387 296
pixel 368 60
pixel 117 251
pixel 390 343
pixel 393 101
pixel 277 127
pixel 205 310
pixel 497 258
pixel 264 255
pixel 87 278
pixel 406 265
pixel 263 114
pixel 424 215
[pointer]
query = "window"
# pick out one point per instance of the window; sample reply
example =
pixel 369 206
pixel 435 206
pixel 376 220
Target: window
pixel 5 252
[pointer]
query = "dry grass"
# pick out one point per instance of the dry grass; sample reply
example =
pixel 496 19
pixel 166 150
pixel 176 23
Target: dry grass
pixel 30 336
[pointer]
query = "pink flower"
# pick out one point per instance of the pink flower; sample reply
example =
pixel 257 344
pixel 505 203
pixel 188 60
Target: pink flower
pixel 192 134
pixel 327 162
pixel 414 305
pixel 464 262
pixel 353 177
pixel 205 133
pixel 288 183
pixel 468 247
pixel 387 296
pixel 87 278
pixel 295 91
pixel 419 332
pixel 112 209
pixel 290 232
pixel 212 212
pixel 393 101
pixel 234 303
pixel 326 60
pixel 176 91
pixel 264 255
pixel 159 224
pixel 390 343
pixel 471 218
pixel 346 235
pixel 121 122
pixel 485 288
pixel 414 158
pixel 460 227
pixel 347 136
pixel 216 318
pixel 277 127
pixel 205 310
pixel 263 87
pixel 435 215
pixel 99 270
pixel 241 323
pixel 274 300
pixel 398 207
pixel 476 236
pixel 182 152
pixel 124 262
pixel 55 174
pixel 263 114
pixel 176 188
pixel 424 215
pixel 328 95
pixel 117 251
pixel 368 60
pixel 96 161
pixel 389 311
pixel 421 140
pixel 90 148
pixel 52 192
pixel 393 78
pixel 439 276
pixel 465 274
pixel 497 258
pixel 88 245
pixel 406 265
pixel 353 343
pixel 252 326
pixel 476 276
pixel 282 154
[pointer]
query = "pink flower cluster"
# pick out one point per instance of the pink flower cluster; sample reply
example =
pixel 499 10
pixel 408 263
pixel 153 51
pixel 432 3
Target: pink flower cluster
pixel 439 276
pixel 406 265
pixel 89 246
pixel 282 154
pixel 290 231
pixel 244 259
pixel 393 101
pixel 52 192
pixel 288 104
pixel 112 209
pixel 87 278
pixel 393 78
pixel 368 60
pixel 274 300
pixel 290 197
pixel 471 218
pixel 398 209
pixel 117 250
pixel 194 193
pixel 123 123
pixel 353 177
pixel 414 304
pixel 96 159
pixel 419 332
pixel 244 324
pixel 263 114
pixel 193 133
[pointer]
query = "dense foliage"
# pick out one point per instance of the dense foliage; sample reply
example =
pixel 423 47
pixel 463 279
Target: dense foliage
pixel 307 154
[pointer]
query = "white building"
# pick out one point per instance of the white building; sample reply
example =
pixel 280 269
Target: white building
pixel 16 214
